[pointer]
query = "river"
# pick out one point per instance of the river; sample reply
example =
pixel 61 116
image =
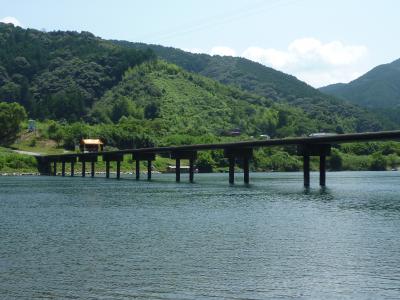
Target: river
pixel 106 239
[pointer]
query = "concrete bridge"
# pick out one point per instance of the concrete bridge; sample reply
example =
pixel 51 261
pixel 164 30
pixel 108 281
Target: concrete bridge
pixel 237 151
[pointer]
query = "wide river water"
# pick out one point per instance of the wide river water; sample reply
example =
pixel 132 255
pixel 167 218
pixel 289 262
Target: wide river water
pixel 106 239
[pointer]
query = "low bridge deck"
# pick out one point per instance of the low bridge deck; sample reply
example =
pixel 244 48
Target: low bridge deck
pixel 235 151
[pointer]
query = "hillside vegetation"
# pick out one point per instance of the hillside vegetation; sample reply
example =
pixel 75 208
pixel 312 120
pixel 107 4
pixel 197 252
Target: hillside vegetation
pixel 59 75
pixel 277 86
pixel 377 90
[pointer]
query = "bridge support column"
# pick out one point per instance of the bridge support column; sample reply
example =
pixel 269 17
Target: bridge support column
pixel 43 165
pixel 63 168
pixel 306 170
pixel 190 155
pixel 72 168
pixel 149 157
pixel 231 170
pixel 107 169
pixel 83 169
pixel 118 169
pixel 54 168
pixel 322 170
pixel 149 169
pixel 178 170
pixel 307 150
pixel 88 157
pixel 243 155
pixel 92 169
pixel 246 170
pixel 191 170
pixel 137 169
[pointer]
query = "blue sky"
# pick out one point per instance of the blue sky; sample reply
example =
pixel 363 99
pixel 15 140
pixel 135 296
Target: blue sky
pixel 320 42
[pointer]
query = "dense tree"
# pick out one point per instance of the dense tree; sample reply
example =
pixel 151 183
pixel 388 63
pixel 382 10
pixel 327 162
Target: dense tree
pixel 11 116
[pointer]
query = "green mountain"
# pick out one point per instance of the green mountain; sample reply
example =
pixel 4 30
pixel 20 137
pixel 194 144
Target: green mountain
pixel 79 77
pixel 378 88
pixel 60 74
pixel 179 102
pixel 277 86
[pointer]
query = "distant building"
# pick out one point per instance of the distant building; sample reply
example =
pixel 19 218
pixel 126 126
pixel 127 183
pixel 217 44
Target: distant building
pixel 91 145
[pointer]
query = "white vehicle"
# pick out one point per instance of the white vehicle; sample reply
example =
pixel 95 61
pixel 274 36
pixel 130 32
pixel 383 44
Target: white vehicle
pixel 318 134
pixel 265 136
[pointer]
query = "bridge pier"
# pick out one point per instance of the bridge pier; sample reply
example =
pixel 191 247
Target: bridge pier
pixel 149 157
pixel 177 170
pixel 83 168
pixel 306 170
pixel 307 150
pixel 231 161
pixel 87 157
pixel 137 169
pixel 54 168
pixel 184 154
pixel 322 170
pixel 107 169
pixel 149 167
pixel 118 169
pixel 242 154
pixel 72 168
pixel 117 157
pixel 191 170
pixel 92 165
pixel 63 168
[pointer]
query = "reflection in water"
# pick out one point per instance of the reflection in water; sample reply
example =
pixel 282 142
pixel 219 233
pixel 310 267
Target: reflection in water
pixel 83 238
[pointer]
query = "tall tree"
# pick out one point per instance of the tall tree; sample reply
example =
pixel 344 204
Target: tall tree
pixel 11 116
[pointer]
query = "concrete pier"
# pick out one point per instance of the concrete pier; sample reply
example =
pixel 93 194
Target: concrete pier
pixel 177 170
pixel 137 169
pixel 92 171
pixel 143 156
pixel 149 167
pixel 322 170
pixel 240 154
pixel 107 169
pixel 306 170
pixel 189 155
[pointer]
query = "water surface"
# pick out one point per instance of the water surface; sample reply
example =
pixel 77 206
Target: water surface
pixel 108 239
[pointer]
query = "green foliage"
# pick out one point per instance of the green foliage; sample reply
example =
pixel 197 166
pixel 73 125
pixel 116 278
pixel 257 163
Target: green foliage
pixel 378 162
pixel 331 114
pixel 60 74
pixel 187 104
pixel 11 116
pixel 10 161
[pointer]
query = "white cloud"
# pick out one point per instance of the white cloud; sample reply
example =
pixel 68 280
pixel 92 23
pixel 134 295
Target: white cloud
pixel 314 62
pixel 223 51
pixel 11 20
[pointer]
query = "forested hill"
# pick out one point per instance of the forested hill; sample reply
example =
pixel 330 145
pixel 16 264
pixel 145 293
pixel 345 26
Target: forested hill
pixel 60 74
pixel 79 77
pixel 278 86
pixel 378 88
pixel 179 102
